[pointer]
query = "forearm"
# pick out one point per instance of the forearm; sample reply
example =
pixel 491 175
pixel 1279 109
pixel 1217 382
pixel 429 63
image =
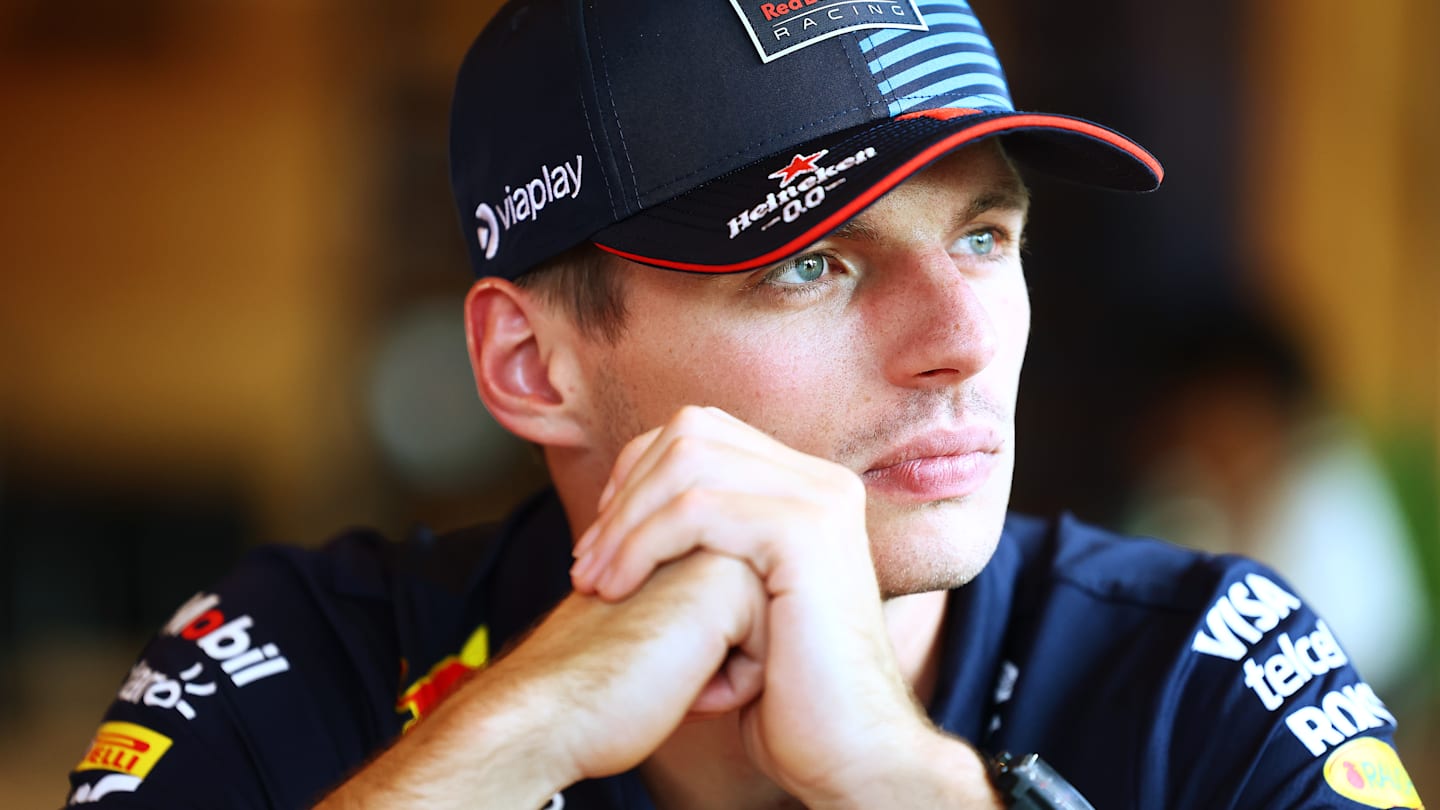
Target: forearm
pixel 561 707
pixel 486 746
pixel 937 771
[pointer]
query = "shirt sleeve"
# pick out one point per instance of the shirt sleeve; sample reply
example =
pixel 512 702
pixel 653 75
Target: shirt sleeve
pixel 1270 713
pixel 258 694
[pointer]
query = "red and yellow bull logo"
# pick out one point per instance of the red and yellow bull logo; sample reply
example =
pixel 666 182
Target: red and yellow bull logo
pixel 442 679
pixel 125 748
pixel 1368 771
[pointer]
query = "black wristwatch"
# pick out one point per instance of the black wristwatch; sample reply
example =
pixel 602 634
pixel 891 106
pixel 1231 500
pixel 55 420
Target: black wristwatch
pixel 1029 783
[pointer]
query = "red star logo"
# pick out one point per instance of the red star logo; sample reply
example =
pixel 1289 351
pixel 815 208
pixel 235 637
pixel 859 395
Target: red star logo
pixel 800 164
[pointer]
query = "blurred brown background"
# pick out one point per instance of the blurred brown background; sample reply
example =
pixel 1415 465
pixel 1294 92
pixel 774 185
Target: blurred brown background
pixel 229 305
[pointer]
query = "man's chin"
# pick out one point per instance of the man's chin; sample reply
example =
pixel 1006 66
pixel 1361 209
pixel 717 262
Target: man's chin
pixel 934 546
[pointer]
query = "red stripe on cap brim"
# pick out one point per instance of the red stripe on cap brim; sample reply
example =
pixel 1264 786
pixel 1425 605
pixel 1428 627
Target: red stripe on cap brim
pixel 899 174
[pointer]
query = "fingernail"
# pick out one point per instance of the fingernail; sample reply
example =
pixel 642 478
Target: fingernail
pixel 583 544
pixel 603 581
pixel 580 570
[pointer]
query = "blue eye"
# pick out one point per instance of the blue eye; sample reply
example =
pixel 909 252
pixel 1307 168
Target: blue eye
pixel 801 270
pixel 981 243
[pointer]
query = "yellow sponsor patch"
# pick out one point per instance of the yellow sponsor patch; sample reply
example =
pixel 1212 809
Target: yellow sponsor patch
pixel 1368 771
pixel 125 748
pixel 445 677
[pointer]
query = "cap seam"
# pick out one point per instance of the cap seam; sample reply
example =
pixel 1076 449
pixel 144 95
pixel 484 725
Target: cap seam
pixel 609 91
pixel 883 80
pixel 615 210
pixel 855 73
pixel 604 180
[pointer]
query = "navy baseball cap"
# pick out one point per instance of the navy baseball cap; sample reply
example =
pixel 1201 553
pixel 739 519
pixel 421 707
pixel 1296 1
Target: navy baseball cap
pixel 715 136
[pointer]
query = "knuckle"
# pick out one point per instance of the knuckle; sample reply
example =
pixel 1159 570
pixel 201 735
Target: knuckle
pixel 684 449
pixel 693 501
pixel 688 416
pixel 634 445
pixel 846 481
pixel 811 512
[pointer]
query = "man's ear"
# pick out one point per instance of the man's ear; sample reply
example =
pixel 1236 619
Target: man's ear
pixel 520 353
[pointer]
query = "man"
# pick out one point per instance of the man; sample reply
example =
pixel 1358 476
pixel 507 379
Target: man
pixel 750 277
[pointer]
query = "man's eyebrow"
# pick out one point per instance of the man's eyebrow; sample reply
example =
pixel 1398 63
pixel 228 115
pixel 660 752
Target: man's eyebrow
pixel 1008 196
pixel 1011 196
pixel 857 229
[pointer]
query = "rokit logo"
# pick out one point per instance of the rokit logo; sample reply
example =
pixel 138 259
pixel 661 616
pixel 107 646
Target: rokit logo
pixel 794 199
pixel 1339 715
pixel 525 203
pixel 226 641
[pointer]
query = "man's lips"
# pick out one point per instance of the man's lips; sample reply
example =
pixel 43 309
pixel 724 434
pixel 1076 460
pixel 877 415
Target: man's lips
pixel 936 465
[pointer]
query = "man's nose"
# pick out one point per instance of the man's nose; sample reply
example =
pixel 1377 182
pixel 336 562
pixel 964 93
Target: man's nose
pixel 940 329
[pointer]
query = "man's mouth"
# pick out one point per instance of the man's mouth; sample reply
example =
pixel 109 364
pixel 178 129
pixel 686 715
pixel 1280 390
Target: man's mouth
pixel 941 464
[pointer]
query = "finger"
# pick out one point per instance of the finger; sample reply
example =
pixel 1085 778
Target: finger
pixel 688 465
pixel 742 678
pixel 744 526
pixel 703 423
pixel 739 682
pixel 632 451
pixel 699 447
pixel 625 462
pixel 634 503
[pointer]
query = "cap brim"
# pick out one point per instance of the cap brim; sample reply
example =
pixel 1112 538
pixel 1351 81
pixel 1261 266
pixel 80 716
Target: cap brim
pixel 748 219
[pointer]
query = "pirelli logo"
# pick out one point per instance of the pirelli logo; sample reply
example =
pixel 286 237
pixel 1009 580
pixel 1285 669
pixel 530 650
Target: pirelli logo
pixel 125 748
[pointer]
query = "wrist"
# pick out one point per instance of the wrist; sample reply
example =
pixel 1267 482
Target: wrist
pixel 934 769
pixel 490 738
pixel 510 719
pixel 466 748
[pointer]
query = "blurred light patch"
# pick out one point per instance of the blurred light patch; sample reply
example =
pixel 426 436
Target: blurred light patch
pixel 423 409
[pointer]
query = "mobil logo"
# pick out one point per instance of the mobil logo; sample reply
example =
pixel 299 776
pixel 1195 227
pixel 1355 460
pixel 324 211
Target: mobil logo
pixel 226 640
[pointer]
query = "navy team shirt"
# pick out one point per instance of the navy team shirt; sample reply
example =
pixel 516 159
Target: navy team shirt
pixel 1149 676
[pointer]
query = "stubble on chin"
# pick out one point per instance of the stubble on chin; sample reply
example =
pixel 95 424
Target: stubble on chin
pixel 930 551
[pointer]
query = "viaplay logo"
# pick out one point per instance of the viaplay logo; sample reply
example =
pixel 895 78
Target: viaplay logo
pixel 784 26
pixel 525 203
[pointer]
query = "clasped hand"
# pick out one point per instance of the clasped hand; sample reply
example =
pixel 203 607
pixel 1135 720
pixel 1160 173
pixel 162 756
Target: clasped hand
pixel 751 562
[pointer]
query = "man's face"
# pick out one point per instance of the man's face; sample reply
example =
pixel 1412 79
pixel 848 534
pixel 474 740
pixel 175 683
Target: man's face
pixel 892 347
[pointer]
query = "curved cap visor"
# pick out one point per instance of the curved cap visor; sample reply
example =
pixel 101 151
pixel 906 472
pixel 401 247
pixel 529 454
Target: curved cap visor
pixel 774 208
